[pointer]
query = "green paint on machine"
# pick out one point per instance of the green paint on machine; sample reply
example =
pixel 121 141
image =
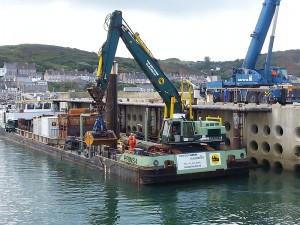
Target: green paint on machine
pixel 187 163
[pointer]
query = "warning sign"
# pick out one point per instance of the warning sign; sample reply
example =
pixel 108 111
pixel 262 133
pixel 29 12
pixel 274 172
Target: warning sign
pixel 215 159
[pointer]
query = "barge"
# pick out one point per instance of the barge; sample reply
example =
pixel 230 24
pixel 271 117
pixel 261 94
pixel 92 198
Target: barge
pixel 160 164
pixel 188 149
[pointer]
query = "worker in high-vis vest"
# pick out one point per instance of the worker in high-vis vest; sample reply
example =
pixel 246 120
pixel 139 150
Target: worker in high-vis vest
pixel 132 141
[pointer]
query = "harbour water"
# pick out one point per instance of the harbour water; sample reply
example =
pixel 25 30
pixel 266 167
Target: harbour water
pixel 39 189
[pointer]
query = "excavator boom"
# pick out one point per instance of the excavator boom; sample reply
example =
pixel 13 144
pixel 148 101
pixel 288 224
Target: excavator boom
pixel 176 129
pixel 117 29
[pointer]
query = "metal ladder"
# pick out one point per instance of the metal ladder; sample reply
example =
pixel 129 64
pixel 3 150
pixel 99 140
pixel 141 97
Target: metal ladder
pixel 235 95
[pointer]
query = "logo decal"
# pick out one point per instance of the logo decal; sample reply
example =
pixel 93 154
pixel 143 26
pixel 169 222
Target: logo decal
pixel 215 159
pixel 161 81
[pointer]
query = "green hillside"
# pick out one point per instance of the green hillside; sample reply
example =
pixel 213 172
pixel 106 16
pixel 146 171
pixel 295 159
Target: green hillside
pixel 54 57
pixel 49 57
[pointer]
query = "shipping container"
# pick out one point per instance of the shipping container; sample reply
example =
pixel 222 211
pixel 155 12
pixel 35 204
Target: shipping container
pixel 78 111
pixel 69 124
pixel 65 131
pixel 74 120
pixel 36 129
pixel 50 127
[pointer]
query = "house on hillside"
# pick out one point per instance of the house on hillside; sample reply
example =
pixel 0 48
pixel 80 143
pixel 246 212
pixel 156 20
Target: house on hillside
pixel 18 75
pixel 21 78
pixel 134 79
pixel 19 68
pixel 34 87
pixel 26 68
pixel 52 76
pixel 181 77
pixel 25 83
pixel 143 79
pixel 8 78
pixel 9 87
pixel 58 76
pixel 2 72
pixel 36 76
pixel 11 68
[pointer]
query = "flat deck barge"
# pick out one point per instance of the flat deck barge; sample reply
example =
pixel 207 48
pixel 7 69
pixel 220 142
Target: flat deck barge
pixel 142 169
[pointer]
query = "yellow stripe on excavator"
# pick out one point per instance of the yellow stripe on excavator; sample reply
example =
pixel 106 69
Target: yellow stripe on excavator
pixel 173 100
pixel 99 70
pixel 142 44
pixel 165 111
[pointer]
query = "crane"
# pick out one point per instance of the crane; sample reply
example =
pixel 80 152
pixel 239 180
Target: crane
pixel 188 132
pixel 247 83
pixel 118 28
pixel 188 148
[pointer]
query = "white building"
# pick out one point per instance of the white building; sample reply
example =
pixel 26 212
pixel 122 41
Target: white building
pixel 2 72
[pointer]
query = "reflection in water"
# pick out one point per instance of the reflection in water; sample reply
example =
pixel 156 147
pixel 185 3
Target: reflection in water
pixel 39 189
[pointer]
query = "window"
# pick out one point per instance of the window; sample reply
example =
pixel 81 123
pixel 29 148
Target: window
pixel 39 105
pixel 47 105
pixel 176 128
pixel 188 130
pixel 30 106
pixel 284 73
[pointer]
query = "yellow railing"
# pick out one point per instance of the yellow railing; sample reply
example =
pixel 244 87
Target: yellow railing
pixel 209 118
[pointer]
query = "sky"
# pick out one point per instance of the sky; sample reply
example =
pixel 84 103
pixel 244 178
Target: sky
pixel 185 29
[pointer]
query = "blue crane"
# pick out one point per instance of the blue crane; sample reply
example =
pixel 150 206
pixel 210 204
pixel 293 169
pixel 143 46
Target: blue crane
pixel 260 33
pixel 247 83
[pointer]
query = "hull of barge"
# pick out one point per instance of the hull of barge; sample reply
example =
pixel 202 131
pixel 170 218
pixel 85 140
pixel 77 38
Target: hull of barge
pixel 128 171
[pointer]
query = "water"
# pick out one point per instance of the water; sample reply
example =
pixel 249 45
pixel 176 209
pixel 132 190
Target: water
pixel 38 189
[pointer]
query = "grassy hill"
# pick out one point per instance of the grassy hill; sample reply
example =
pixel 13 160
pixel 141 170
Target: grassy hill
pixel 49 57
pixel 54 57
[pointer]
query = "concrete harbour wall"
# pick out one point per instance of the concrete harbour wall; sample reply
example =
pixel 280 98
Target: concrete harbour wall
pixel 272 138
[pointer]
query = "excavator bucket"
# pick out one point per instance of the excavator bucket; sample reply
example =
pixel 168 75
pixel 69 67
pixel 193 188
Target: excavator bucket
pixel 97 96
pixel 93 138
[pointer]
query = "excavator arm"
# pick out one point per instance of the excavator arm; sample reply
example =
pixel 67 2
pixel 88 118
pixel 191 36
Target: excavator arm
pixel 176 129
pixel 119 29
pixel 152 69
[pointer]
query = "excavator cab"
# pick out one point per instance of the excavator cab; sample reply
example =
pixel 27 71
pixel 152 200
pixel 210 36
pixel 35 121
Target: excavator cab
pixel 177 131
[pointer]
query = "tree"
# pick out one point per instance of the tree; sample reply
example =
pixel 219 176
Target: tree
pixel 207 63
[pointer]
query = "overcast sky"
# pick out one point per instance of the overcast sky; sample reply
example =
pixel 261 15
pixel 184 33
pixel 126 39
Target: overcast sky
pixel 184 29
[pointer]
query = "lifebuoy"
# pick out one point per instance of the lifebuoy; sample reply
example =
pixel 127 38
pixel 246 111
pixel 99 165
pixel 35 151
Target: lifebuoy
pixel 169 163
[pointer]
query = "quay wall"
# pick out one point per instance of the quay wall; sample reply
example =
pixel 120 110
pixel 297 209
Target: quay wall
pixel 271 138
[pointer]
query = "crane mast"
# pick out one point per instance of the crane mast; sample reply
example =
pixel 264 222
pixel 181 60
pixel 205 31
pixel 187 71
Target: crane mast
pixel 260 33
pixel 256 85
